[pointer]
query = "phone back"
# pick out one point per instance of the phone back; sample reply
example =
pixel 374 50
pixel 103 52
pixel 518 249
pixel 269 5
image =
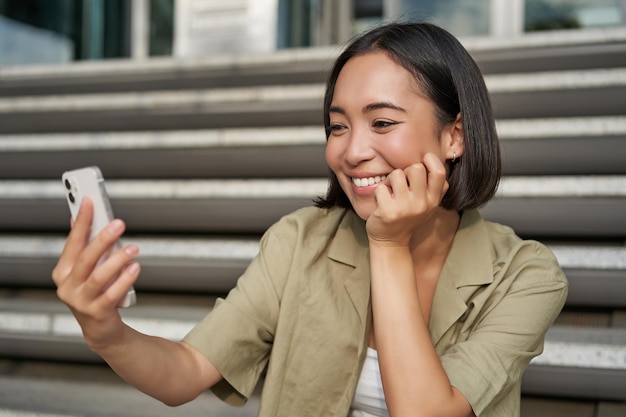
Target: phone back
pixel 88 182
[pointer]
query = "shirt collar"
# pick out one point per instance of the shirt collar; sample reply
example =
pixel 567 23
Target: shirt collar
pixel 350 248
pixel 350 243
pixel 469 263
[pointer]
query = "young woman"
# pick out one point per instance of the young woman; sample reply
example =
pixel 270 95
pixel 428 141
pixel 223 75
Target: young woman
pixel 392 296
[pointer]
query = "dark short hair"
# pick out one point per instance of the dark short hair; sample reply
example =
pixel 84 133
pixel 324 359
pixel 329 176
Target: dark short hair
pixel 449 77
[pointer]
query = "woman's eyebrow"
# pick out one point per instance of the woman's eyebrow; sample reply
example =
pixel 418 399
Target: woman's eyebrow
pixel 382 105
pixel 368 108
pixel 336 109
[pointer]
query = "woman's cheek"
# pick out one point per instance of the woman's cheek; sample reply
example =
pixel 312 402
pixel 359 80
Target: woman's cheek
pixel 333 154
pixel 402 149
pixel 401 154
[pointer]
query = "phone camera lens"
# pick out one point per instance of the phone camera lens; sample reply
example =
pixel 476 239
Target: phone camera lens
pixel 71 197
pixel 68 185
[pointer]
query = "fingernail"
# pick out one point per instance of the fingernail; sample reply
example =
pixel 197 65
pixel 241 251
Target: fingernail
pixel 133 268
pixel 131 250
pixel 83 203
pixel 116 226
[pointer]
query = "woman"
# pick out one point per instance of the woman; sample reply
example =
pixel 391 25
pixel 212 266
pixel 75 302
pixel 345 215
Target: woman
pixel 392 296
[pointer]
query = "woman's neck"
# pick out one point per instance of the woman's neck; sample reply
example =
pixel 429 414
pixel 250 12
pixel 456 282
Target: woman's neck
pixel 434 239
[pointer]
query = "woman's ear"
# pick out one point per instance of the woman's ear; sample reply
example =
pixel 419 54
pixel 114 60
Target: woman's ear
pixel 454 139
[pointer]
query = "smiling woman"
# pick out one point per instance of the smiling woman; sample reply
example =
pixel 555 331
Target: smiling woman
pixel 393 296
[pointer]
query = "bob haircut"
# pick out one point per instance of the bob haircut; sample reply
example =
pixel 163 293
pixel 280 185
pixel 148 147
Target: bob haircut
pixel 449 77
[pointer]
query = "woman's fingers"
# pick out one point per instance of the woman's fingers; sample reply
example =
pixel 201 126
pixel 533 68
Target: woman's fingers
pixel 118 288
pixel 397 182
pixel 416 177
pixel 80 275
pixel 109 272
pixel 75 243
pixel 96 249
pixel 437 183
pixel 390 189
pixel 419 186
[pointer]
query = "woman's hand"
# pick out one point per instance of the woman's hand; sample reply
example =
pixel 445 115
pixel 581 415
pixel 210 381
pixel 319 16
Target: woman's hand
pixel 86 287
pixel 407 200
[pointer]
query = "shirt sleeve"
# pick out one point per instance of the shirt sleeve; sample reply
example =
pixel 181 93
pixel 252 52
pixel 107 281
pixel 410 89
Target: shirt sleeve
pixel 508 327
pixel 236 336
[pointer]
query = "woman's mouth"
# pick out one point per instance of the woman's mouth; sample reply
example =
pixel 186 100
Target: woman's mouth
pixel 367 181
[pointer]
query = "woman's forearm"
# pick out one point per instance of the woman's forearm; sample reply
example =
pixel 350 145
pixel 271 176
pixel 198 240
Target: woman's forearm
pixel 414 380
pixel 172 372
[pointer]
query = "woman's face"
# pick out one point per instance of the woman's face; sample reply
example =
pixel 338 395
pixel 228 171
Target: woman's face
pixel 379 121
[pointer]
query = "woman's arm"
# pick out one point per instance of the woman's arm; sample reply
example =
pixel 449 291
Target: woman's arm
pixel 414 380
pixel 169 371
pixel 172 372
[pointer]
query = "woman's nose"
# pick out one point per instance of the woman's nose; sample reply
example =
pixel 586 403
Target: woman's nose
pixel 359 149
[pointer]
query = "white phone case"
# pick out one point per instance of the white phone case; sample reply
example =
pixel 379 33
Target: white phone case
pixel 89 182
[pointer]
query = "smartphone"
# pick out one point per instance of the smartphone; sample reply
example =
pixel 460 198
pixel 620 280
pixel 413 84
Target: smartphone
pixel 89 182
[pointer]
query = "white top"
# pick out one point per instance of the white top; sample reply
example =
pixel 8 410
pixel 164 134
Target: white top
pixel 369 398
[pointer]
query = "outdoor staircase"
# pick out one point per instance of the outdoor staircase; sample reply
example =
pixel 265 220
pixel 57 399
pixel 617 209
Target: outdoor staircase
pixel 201 156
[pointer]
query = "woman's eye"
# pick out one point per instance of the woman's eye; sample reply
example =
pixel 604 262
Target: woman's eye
pixel 336 128
pixel 382 124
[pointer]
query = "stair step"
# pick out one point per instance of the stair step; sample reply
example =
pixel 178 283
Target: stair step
pixel 563 146
pixel 38 326
pixel 564 206
pixel 542 407
pixel 168 263
pixel 540 206
pixel 290 66
pixel 294 105
pixel 578 362
pixel 589 145
pixel 544 94
pixel 550 51
pixel 541 51
pixel 596 272
pixel 244 206
pixel 37 389
pixel 608 409
pixel 558 93
pixel 222 153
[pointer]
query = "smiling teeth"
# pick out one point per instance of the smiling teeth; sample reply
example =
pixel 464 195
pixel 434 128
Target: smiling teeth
pixel 364 182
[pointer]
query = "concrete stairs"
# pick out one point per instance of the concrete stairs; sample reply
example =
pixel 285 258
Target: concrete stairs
pixel 202 155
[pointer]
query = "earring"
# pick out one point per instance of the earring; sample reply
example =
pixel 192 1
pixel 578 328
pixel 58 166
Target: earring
pixel 453 157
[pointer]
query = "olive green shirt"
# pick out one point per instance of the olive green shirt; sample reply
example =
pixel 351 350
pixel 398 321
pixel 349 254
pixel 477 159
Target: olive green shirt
pixel 300 315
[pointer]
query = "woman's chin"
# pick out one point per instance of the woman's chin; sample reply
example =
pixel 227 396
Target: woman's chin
pixel 364 211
